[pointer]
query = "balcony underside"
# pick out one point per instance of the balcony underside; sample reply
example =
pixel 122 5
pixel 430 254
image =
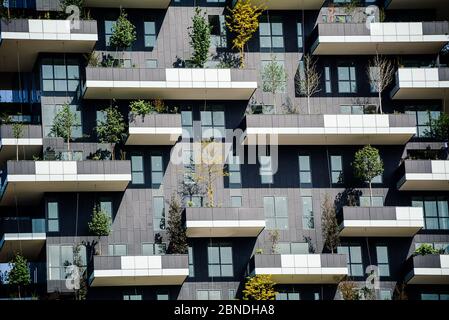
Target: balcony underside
pixel 424 183
pixel 153 136
pixel 30 192
pixel 18 54
pixel 112 278
pixel 222 229
pixel 140 4
pixel 350 229
pixel 131 90
pixel 330 139
pixel 332 276
pixel 429 276
pixel 26 150
pixel 420 93
pixel 28 244
pixel 359 47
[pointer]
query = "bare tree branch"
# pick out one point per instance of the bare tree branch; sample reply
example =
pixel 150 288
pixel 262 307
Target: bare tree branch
pixel 308 80
pixel 380 71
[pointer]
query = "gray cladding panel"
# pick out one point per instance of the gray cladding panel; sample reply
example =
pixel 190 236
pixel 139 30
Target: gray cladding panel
pixel 369 213
pixel 212 214
pixel 418 166
pixel 427 261
pixel 29 131
pixel 156 120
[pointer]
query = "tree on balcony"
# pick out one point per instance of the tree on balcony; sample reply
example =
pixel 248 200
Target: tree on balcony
pixel 63 124
pixel 200 38
pixel 17 132
pixel 259 287
pixel 112 129
pixel 243 21
pixel 367 166
pixel 439 128
pixel 81 291
pixel 141 107
pixel 19 275
pixel 176 229
pixel 329 225
pixel 380 72
pixel 123 33
pixel 274 79
pixel 308 79
pixel 349 290
pixel 100 223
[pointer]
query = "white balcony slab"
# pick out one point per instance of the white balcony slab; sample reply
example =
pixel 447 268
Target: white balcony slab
pixel 420 83
pixel 28 244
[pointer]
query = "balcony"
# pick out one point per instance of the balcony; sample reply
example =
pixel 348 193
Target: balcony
pixel 289 4
pixel 170 84
pixel 421 83
pixel 381 37
pixel 302 268
pixel 428 269
pixel 154 129
pixel 24 235
pixel 224 222
pixel 381 221
pixel 22 40
pixel 29 144
pixel 29 180
pixel 424 175
pixel 342 129
pixel 165 270
pixel 139 4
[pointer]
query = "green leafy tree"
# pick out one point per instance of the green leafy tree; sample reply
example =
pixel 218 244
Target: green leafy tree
pixel 200 38
pixel 17 132
pixel 141 107
pixel 439 128
pixel 243 21
pixel 329 225
pixel 100 223
pixel 425 249
pixel 81 293
pixel 19 275
pixel 112 129
pixel 259 287
pixel 176 229
pixel 368 165
pixel 123 32
pixel 63 124
pixel 349 290
pixel 274 79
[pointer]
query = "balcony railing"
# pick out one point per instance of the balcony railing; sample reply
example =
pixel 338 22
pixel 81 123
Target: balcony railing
pixel 428 269
pixel 154 129
pixel 139 4
pixel 421 175
pixel 288 4
pixel 30 142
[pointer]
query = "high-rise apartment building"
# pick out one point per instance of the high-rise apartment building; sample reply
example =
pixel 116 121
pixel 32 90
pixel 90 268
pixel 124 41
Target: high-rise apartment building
pixel 261 210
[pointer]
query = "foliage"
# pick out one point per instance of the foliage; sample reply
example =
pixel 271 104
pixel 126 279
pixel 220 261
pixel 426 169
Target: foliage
pixel 348 290
pixel 141 107
pixel 259 287
pixel 175 228
pixel 400 292
pixel 92 59
pixel 19 274
pixel 439 128
pixel 330 229
pixel 274 239
pixel 112 129
pixel 123 32
pixel 274 78
pixel 81 293
pixel 100 224
pixel 200 38
pixel 243 21
pixel 67 3
pixel 380 72
pixel 17 132
pixel 159 106
pixel 368 165
pixel 366 293
pixel 63 124
pixel 425 249
pixel 308 79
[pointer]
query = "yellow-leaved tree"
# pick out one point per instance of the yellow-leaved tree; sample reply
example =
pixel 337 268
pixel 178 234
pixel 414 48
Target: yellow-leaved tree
pixel 259 287
pixel 243 21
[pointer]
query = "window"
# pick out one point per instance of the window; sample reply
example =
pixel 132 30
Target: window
pixel 150 34
pixel 435 296
pixel 117 250
pixel 60 75
pixel 137 176
pixel 236 201
pixel 383 261
pixel 157 173
pixel 187 124
pixel 358 109
pixel 53 216
pixel 162 296
pixel 276 212
pixel 208 295
pixel 216 1
pixel 336 169
pixel 265 169
pixel 106 206
pixel 353 259
pixel 219 259
pixel 213 124
pixel 347 82
pixel 424 119
pixel 305 171
pixel 287 296
pixel 60 257
pixel 385 294
pixel 436 214
pixel 299 35
pixel 49 113
pixel 154 249
pixel 231 294
pixel 218 32
pixel 293 248
pixel 132 297
pixel 307 213
pixel 271 34
pixel 235 178
pixel 158 214
pixel 151 63
pixel 375 201
pixel 191 263
pixel 108 31
pixel 327 79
